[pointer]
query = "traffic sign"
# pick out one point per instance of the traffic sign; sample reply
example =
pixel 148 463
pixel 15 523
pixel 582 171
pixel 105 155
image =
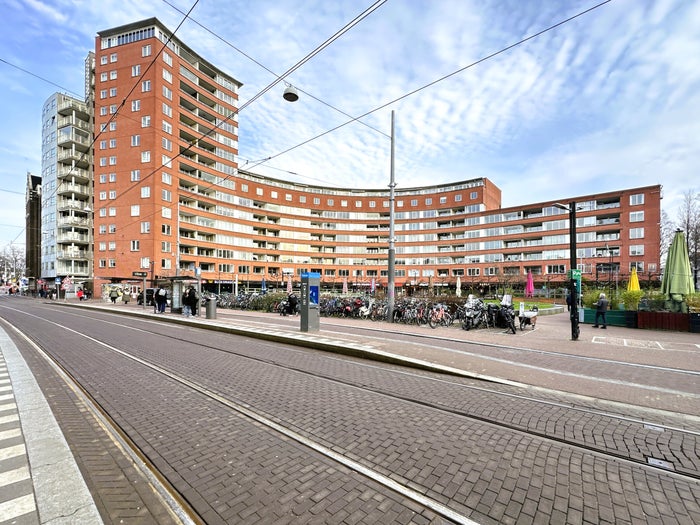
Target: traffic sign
pixel 139 274
pixel 575 274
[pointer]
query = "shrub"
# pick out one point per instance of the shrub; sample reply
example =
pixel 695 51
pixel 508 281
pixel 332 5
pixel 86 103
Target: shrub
pixel 631 298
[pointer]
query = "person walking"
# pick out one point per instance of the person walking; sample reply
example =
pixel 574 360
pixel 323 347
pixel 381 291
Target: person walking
pixel 187 302
pixel 113 295
pixel 601 308
pixel 160 300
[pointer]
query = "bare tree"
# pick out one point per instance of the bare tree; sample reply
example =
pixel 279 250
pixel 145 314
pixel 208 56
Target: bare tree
pixel 689 221
pixel 12 263
pixel 667 230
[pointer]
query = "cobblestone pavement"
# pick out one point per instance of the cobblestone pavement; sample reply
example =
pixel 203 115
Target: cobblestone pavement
pixel 507 491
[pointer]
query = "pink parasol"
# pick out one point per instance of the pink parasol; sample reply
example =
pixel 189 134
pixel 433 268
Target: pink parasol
pixel 529 286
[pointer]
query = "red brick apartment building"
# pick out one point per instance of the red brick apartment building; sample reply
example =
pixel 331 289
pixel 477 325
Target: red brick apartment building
pixel 169 199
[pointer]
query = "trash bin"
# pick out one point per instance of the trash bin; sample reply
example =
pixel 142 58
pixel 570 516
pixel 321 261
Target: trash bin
pixel 210 305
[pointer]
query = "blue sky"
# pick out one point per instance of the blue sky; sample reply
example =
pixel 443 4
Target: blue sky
pixel 607 101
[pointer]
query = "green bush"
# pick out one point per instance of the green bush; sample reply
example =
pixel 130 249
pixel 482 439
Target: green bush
pixel 631 298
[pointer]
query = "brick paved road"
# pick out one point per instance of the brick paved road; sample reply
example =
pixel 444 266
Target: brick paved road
pixel 236 471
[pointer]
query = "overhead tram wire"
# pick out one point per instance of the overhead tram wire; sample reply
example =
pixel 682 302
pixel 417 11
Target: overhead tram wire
pixel 430 84
pixel 263 66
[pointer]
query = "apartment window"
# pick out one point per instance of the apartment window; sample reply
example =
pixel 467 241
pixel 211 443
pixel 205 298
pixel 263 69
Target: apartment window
pixel 473 272
pixel 244 188
pixel 146 121
pixel 102 263
pixel 135 210
pixel 135 245
pixel 103 178
pixel 636 249
pixel 135 175
pixel 165 264
pixel 146 51
pixel 288 197
pixel 330 202
pixel 145 227
pixel 112 263
pixel 112 246
pixel 145 156
pixel 273 194
pixel 145 192
pixel 112 228
pixel 103 212
pixel 103 77
pixel 166 212
pixel 166 229
pixel 103 93
pixel 166 178
pixel 103 229
pixel 443 200
pixel 166 247
pixel 358 204
pixel 302 199
pixel 145 86
pixel 636 216
pixel 136 70
pixel 166 161
pixel 458 198
pixel 167 127
pixel 113 126
pixel 112 194
pixel 167 76
pixel 167 110
pixel 112 109
pixel 636 233
pixel 112 177
pixel 112 211
pixel 135 140
pixel 113 160
pixel 636 199
pixel 639 266
pixel 112 143
pixel 145 262
pixel 103 195
pixel 167 92
pixel 317 201
pixel 556 268
pixel 399 204
pixel 113 57
pixel 166 195
pixel 103 60
pixel 103 111
pixel 428 201
pixel 103 144
pixel 135 105
pixel 343 203
pixel 473 195
pixel 167 58
pixel 112 92
pixel 414 202
pixel 492 270
pixel 167 144
pixel 372 204
pixel 113 74
pixel 103 161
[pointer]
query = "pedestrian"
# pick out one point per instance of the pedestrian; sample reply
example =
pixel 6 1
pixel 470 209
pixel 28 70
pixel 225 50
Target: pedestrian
pixel 186 302
pixel 125 297
pixel 113 295
pixel 161 300
pixel 601 308
pixel 80 294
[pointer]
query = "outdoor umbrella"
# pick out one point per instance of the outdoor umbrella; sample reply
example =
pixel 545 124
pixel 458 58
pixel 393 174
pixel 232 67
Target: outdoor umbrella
pixel 345 285
pixel 263 286
pixel 530 286
pixel 678 279
pixel 458 289
pixel 289 284
pixel 633 284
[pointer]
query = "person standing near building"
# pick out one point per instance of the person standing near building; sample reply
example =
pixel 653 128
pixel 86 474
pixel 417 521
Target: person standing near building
pixel 601 308
pixel 160 299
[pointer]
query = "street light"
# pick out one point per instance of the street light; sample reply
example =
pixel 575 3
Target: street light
pixel 571 208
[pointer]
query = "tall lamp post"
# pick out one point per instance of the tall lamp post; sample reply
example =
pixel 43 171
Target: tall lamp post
pixel 571 208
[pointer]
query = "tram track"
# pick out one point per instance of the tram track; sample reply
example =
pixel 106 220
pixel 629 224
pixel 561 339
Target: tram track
pixel 650 432
pixel 277 422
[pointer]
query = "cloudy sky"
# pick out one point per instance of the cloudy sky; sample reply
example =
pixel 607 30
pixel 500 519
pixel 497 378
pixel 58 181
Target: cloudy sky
pixel 606 101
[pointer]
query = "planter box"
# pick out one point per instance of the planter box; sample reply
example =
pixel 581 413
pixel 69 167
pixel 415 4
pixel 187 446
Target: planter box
pixel 664 321
pixel 695 323
pixel 612 317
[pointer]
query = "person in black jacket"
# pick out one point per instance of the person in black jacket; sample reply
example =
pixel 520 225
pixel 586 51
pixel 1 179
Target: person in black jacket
pixel 601 308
